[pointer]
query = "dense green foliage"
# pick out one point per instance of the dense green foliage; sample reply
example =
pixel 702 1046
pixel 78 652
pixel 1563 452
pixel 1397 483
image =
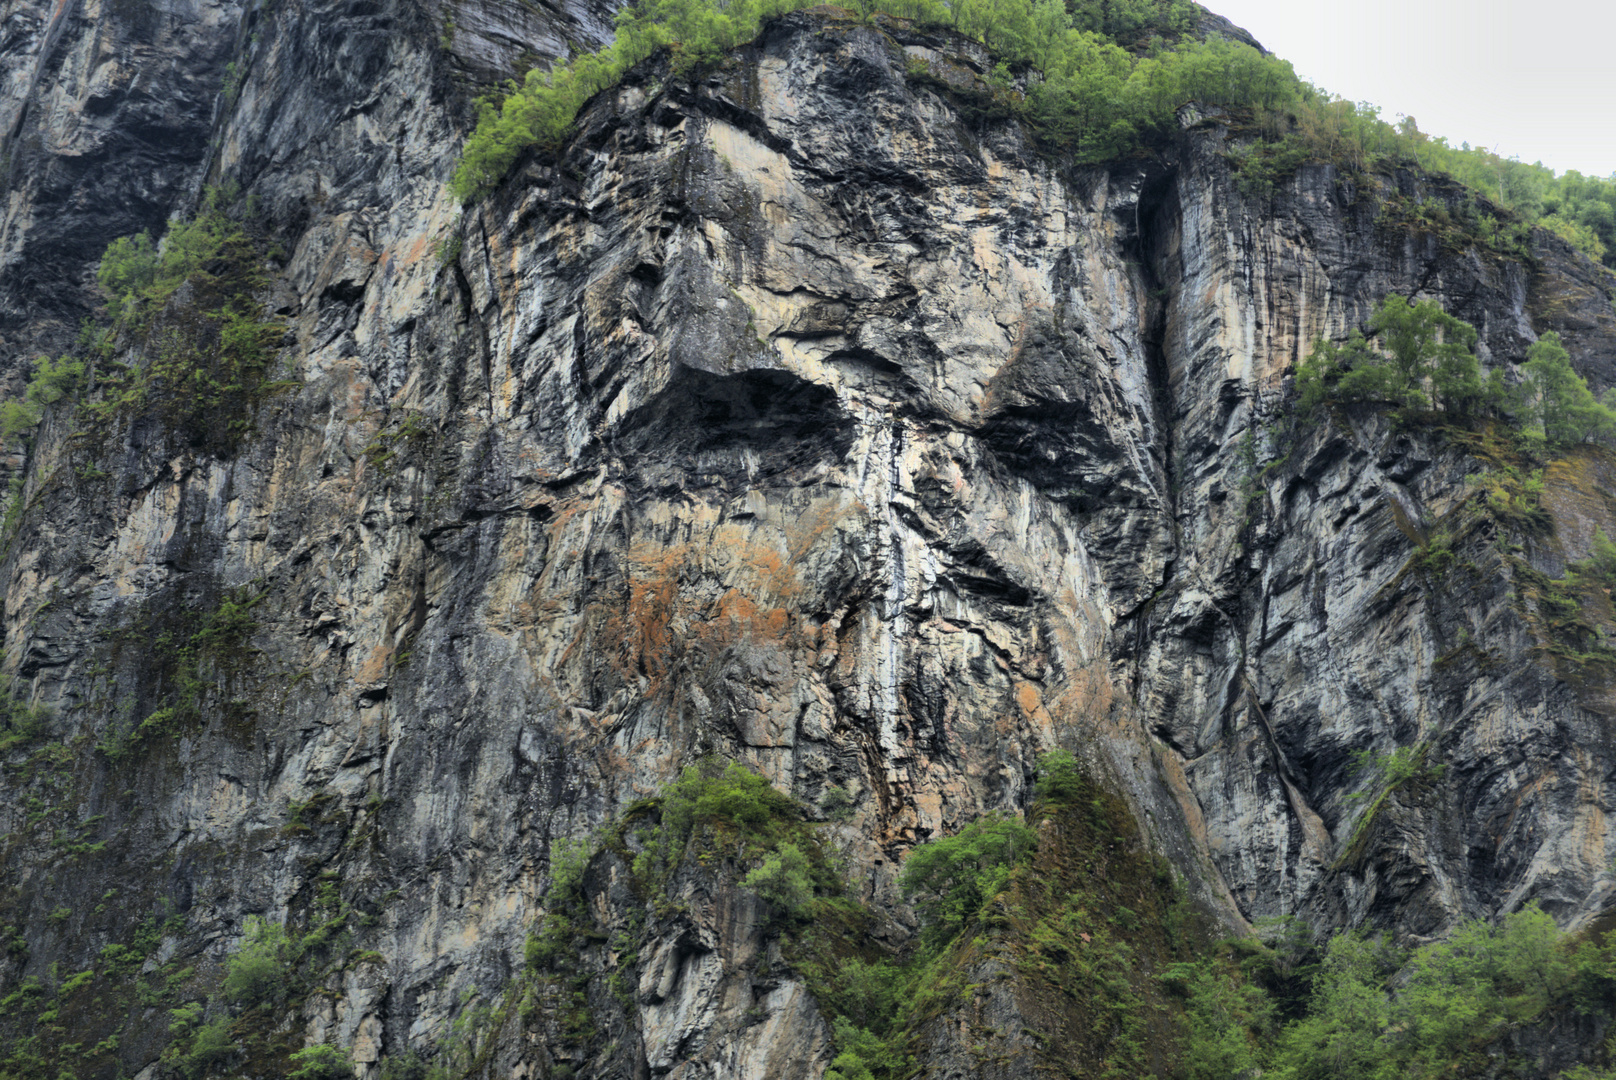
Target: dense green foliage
pixel 195 1046
pixel 1101 81
pixel 1092 96
pixel 1556 405
pixel 256 973
pixel 321 1062
pixel 1419 357
pixel 785 880
pixel 1381 1013
pixel 202 345
pixel 1076 916
pixel 949 879
pixel 731 806
pixel 208 352
pixel 52 381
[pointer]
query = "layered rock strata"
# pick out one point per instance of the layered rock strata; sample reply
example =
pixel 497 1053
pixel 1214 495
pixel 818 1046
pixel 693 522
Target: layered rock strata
pixel 796 415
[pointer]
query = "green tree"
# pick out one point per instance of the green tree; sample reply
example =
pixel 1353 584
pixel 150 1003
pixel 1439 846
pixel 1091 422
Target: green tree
pixel 211 1044
pixel 735 799
pixel 128 268
pixel 1341 1036
pixel 1556 402
pixel 1419 355
pixel 1431 350
pixel 1060 780
pixel 1224 1021
pixel 784 880
pixel 52 381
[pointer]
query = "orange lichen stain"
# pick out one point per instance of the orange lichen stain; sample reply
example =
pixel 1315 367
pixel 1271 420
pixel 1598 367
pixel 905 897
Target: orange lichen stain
pixel 415 251
pixel 747 617
pixel 661 614
pixel 1031 704
pixel 375 665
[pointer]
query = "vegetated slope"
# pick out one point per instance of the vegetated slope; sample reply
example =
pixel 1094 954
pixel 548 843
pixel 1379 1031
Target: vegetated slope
pixel 810 415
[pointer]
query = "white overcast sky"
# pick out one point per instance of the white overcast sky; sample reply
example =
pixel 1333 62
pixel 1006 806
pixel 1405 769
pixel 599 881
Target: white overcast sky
pixel 1533 80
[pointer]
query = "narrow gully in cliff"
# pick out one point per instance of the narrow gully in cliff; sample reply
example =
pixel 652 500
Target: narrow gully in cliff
pixel 1155 217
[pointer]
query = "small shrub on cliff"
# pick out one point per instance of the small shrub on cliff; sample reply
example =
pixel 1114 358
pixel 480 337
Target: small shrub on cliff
pixel 321 1062
pixel 52 381
pixel 207 351
pixel 784 880
pixel 199 1047
pixel 1224 1020
pixel 838 804
pixel 1376 1011
pixel 953 877
pixel 258 972
pixel 128 268
pixel 733 804
pixel 1060 779
pixel 20 723
pixel 1598 570
pixel 862 1055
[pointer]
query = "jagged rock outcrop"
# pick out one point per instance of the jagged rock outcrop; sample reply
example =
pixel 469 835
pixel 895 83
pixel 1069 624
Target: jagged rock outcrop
pixel 791 415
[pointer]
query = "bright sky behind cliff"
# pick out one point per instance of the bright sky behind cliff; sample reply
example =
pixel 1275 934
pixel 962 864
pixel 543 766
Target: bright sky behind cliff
pixel 1532 80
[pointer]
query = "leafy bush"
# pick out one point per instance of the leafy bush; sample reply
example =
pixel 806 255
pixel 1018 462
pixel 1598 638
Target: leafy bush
pixel 1375 1011
pixel 207 359
pixel 848 1066
pixel 734 801
pixel 784 880
pixel 953 877
pixel 569 861
pixel 210 1045
pixel 1224 1019
pixel 1402 764
pixel 837 804
pixel 258 972
pixel 52 381
pixel 321 1062
pixel 128 268
pixel 1060 780
pixel 20 723
pixel 861 1054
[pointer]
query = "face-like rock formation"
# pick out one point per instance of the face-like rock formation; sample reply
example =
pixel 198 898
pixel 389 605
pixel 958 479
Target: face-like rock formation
pixel 796 415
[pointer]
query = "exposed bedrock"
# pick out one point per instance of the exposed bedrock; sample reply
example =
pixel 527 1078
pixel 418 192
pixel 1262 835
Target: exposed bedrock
pixel 795 417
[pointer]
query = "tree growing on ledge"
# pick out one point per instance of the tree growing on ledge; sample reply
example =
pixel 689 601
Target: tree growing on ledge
pixel 1556 404
pixel 1420 356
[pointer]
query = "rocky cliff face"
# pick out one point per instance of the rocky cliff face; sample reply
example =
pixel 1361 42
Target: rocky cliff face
pixel 796 416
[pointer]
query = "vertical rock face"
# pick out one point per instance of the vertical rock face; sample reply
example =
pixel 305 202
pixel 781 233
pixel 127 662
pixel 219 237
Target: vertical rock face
pixel 105 114
pixel 789 416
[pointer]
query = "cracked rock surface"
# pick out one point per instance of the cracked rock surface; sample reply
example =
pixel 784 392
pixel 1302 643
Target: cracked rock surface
pixel 793 416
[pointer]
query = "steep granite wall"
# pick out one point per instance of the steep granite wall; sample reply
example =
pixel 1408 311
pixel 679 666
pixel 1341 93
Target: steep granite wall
pixel 798 416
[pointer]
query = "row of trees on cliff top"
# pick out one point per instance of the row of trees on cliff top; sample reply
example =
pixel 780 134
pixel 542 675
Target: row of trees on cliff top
pixel 1418 356
pixel 1104 79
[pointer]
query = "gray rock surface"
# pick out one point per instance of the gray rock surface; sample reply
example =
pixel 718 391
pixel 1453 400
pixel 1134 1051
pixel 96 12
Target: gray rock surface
pixel 792 416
